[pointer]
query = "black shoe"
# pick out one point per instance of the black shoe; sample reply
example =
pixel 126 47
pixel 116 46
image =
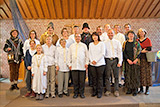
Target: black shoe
pixel 140 92
pixel 134 94
pixel 16 87
pixel 120 85
pixel 12 87
pixel 147 93
pixel 82 96
pixel 99 95
pixel 94 94
pixel 129 91
pixel 75 96
pixel 66 94
pixel 60 95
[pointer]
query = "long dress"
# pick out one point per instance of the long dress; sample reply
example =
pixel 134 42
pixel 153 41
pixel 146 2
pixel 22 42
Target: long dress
pixel 39 65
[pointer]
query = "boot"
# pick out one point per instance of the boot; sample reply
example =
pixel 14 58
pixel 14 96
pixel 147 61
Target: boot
pixel 16 87
pixel 141 90
pixel 12 87
pixel 147 90
pixel 134 92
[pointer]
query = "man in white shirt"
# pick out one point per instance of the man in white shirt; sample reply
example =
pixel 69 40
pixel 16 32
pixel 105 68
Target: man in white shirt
pixel 78 62
pixel 106 28
pixel 99 30
pixel 49 51
pixel 75 31
pixel 113 57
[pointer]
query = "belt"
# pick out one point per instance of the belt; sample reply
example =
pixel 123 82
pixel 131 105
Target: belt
pixel 111 58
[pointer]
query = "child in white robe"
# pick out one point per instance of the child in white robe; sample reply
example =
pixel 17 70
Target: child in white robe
pixel 39 69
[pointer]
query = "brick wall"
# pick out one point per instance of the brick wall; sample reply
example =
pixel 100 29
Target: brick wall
pixel 151 25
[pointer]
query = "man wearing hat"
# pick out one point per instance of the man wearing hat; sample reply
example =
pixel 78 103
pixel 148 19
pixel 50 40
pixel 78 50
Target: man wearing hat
pixel 50 31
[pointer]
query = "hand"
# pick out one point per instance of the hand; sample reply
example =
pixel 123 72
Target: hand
pixel 57 68
pixel 44 73
pixel 118 65
pixel 9 49
pixel 94 62
pixel 29 67
pixel 144 50
pixel 70 67
pixel 135 61
pixel 86 66
pixel 32 75
pixel 129 61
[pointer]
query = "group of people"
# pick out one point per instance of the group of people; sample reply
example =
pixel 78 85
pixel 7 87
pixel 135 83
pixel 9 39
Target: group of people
pixel 104 56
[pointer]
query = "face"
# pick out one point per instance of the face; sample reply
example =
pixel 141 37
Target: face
pixel 32 45
pixel 107 27
pixel 141 33
pixel 32 35
pixel 14 34
pixel 76 30
pixel 78 38
pixel 86 30
pixel 117 29
pixel 99 31
pixel 110 34
pixel 49 40
pixel 65 33
pixel 95 37
pixel 130 36
pixel 39 49
pixel 63 43
pixel 50 30
pixel 127 28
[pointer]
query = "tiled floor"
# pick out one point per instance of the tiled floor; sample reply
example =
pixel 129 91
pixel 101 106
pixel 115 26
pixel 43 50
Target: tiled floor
pixel 14 99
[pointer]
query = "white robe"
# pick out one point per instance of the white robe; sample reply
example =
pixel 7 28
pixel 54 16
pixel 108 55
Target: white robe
pixel 39 83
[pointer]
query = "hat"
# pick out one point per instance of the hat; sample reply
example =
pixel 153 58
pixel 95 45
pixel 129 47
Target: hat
pixel 50 25
pixel 85 25
pixel 13 31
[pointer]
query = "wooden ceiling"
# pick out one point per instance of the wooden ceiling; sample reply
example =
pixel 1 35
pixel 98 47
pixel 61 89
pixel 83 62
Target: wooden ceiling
pixel 83 9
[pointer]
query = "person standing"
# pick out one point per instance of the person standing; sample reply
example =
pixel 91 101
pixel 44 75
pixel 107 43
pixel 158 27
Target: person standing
pixel 113 57
pixel 49 51
pixel 62 68
pixel 39 70
pixel 97 62
pixel 145 66
pixel 104 34
pixel 13 48
pixel 131 52
pixel 50 31
pixel 78 63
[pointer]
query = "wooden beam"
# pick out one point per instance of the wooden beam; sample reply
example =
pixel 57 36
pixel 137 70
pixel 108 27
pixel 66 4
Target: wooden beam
pixel 132 8
pixel 51 9
pixel 3 13
pixel 32 9
pixel 58 9
pixel 72 8
pixel 86 8
pixel 158 14
pixel 21 10
pixel 38 8
pixel 93 9
pixel 106 8
pixel 125 8
pixel 119 8
pixel 25 8
pixel 65 8
pixel 79 8
pixel 112 9
pixel 6 9
pixel 99 8
pixel 152 6
pixel 45 8
pixel 155 11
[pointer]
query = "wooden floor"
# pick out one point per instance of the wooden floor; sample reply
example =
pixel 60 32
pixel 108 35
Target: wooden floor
pixel 14 99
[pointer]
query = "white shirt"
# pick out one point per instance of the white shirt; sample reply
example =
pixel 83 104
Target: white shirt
pixel 78 56
pixel 120 37
pixel 72 37
pixel 61 58
pixel 49 52
pixel 104 36
pixel 27 45
pixel 96 53
pixel 32 52
pixel 116 52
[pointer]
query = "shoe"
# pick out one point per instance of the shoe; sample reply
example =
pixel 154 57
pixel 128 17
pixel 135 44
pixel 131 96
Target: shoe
pixel 140 92
pixel 41 97
pixel 134 94
pixel 12 87
pixel 47 96
pixel 53 96
pixel 27 94
pixel 82 96
pixel 37 96
pixel 60 95
pixel 147 93
pixel 16 87
pixel 99 95
pixel 75 96
pixel 94 94
pixel 107 93
pixel 66 94
pixel 129 91
pixel 116 94
pixel 33 95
